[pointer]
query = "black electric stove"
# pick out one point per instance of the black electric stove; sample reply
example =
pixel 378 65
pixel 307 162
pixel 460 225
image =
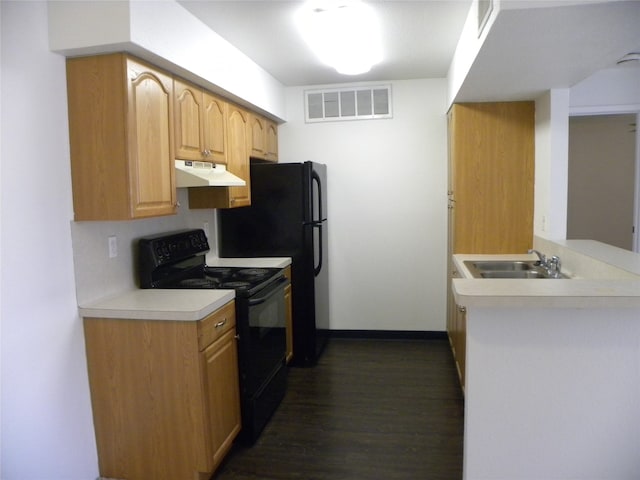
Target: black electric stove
pixel 176 260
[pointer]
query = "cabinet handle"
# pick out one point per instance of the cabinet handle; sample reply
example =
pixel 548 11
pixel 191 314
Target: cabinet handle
pixel 221 323
pixel 206 153
pixel 462 309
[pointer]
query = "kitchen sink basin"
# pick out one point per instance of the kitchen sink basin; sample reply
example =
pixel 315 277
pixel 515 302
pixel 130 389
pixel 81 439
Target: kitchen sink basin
pixel 503 265
pixel 512 269
pixel 514 274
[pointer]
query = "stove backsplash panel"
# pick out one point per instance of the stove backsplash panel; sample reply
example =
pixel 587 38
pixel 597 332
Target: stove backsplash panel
pixel 97 275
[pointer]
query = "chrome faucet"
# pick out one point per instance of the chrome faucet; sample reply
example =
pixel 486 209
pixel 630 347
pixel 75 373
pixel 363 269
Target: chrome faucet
pixel 541 257
pixel 551 265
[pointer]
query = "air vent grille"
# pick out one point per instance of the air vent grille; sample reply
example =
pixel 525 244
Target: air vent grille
pixel 353 103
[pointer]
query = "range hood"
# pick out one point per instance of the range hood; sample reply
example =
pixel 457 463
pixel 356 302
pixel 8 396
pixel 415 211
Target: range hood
pixel 205 174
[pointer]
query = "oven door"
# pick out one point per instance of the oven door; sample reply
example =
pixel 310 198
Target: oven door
pixel 262 327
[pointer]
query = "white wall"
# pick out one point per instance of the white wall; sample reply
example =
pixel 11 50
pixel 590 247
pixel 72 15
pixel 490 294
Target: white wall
pixel 608 91
pixel 469 44
pixel 164 33
pixel 552 394
pixel 47 430
pixel 612 90
pixel 387 207
pixel 47 427
pixel 552 165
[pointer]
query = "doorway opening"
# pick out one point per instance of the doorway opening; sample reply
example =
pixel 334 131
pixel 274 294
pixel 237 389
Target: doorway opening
pixel 604 179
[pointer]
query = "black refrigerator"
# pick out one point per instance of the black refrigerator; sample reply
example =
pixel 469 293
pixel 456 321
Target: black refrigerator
pixel 288 218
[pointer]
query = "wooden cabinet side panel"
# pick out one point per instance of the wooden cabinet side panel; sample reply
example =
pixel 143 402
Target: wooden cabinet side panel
pixel 493 168
pixel 146 394
pixel 96 96
pixel 152 168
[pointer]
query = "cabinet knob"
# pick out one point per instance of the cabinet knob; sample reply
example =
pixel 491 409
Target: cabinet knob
pixel 462 309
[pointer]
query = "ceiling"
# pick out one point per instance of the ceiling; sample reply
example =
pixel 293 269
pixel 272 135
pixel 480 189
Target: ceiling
pixel 420 38
pixel 533 45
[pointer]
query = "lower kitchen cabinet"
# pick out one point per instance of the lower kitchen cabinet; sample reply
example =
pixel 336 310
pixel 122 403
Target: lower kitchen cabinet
pixel 458 339
pixel 165 395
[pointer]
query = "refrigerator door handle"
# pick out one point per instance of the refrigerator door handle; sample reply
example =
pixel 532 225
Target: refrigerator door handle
pixel 317 268
pixel 316 178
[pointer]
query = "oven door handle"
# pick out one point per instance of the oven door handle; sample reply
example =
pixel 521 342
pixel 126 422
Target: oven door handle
pixel 268 293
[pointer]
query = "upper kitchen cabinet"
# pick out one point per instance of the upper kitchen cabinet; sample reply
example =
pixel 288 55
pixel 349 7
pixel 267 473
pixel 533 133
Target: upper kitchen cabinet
pixel 263 138
pixel 237 147
pixel 121 138
pixel 491 177
pixel 199 124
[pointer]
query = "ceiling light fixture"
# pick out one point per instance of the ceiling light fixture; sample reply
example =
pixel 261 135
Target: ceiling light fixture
pixel 344 34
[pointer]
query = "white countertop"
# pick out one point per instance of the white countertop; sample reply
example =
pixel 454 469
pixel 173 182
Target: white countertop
pixel 254 262
pixel 159 304
pixel 174 304
pixel 577 292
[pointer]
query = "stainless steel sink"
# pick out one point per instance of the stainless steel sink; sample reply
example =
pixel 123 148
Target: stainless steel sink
pixel 514 274
pixel 512 269
pixel 503 265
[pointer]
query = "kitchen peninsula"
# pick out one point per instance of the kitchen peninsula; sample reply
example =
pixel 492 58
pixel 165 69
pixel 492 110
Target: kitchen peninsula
pixel 552 384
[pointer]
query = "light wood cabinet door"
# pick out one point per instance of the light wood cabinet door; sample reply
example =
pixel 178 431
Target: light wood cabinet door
pixel 151 164
pixel 460 341
pixel 121 138
pixel 214 128
pixel 257 134
pixel 188 121
pixel 271 141
pixel 263 138
pixel 492 176
pixel 220 367
pixel 238 157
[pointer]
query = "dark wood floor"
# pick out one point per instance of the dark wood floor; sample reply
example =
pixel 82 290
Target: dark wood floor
pixel 370 409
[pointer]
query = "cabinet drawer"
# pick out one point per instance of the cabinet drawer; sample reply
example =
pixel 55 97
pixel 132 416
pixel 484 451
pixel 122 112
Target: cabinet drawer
pixel 216 324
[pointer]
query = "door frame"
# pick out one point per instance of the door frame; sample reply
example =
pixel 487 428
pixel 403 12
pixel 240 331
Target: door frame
pixel 621 110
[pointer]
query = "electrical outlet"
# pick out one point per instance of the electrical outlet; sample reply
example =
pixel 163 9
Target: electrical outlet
pixel 205 227
pixel 113 246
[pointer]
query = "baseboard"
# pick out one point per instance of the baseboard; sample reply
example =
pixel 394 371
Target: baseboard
pixel 389 334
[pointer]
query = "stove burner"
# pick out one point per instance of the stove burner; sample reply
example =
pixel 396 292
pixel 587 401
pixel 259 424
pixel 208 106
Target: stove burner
pixel 198 283
pixel 218 271
pixel 235 284
pixel 253 272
